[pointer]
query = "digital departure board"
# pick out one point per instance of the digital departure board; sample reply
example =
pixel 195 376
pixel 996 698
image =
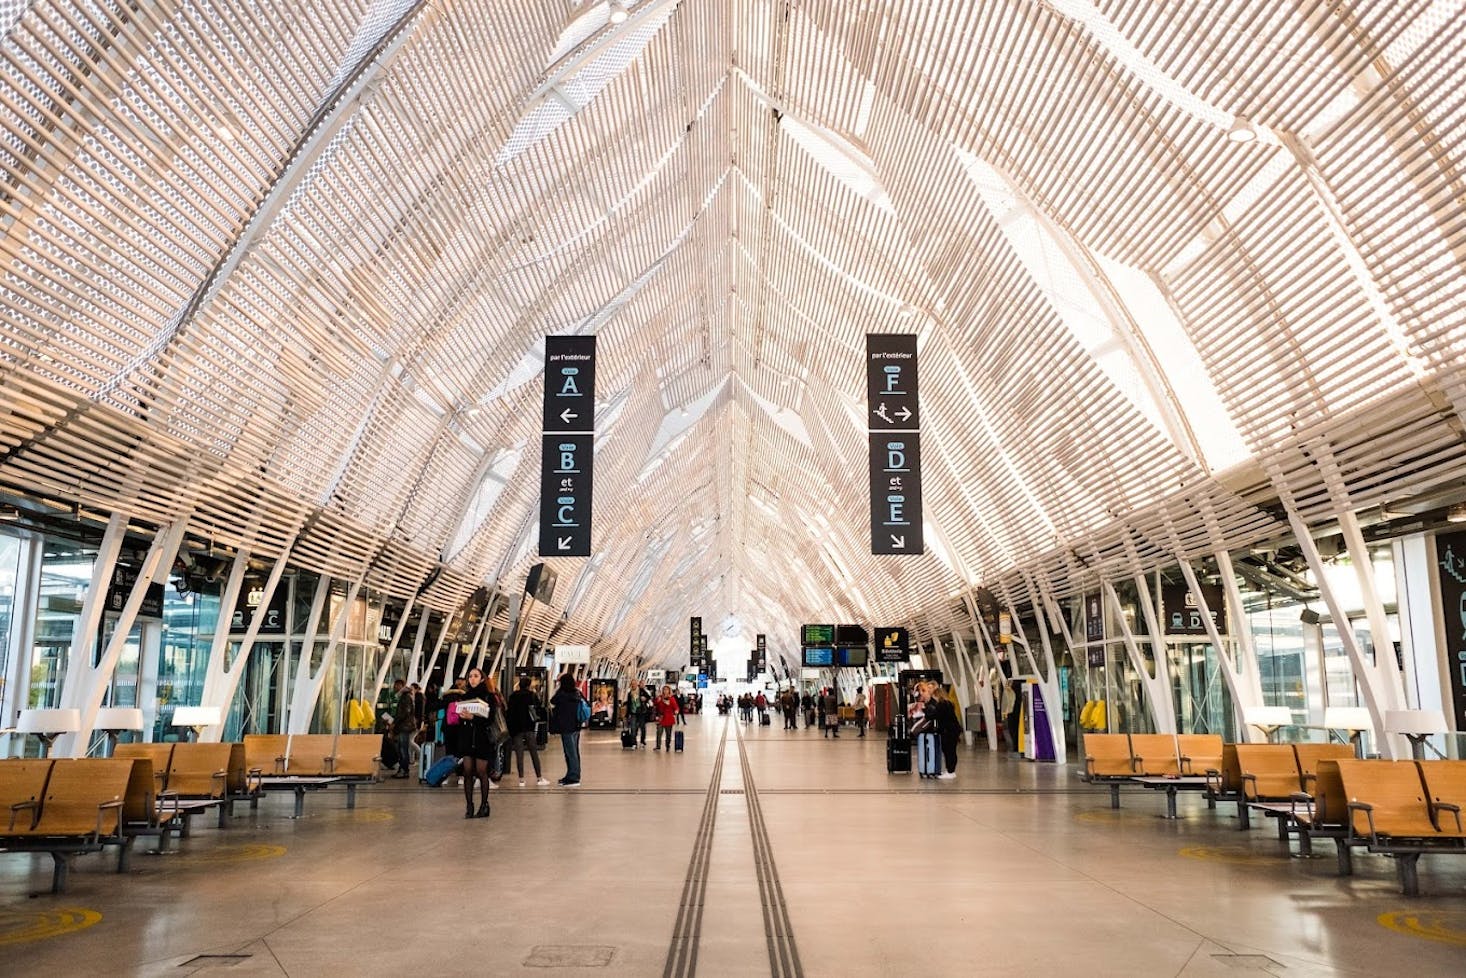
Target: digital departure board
pixel 817 635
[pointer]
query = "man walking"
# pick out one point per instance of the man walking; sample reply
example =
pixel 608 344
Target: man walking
pixel 404 726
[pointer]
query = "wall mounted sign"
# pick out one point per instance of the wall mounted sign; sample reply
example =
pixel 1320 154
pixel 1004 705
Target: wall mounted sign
pixel 1450 559
pixel 568 446
pixel 1183 612
pixel 893 645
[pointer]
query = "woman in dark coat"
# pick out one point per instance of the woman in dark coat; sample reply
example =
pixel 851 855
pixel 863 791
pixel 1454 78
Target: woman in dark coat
pixel 565 721
pixel 476 745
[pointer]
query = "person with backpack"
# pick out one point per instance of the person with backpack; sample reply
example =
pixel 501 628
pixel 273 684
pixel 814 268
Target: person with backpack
pixel 568 713
pixel 523 715
pixel 667 713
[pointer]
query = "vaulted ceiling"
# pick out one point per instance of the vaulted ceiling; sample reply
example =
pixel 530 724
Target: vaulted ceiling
pixel 285 269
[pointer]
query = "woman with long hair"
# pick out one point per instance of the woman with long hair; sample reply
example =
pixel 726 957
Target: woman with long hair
pixel 476 743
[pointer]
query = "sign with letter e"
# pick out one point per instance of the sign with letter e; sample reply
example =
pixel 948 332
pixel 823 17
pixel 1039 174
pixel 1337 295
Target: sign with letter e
pixel 895 493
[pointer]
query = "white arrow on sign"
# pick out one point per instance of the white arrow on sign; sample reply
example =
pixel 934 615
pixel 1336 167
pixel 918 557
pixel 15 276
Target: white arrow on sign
pixel 898 542
pixel 562 543
pixel 904 414
pixel 567 415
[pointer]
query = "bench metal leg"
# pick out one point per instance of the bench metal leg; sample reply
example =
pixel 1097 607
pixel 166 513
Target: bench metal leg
pixel 350 795
pixel 226 809
pixel 1170 802
pixel 1305 842
pixel 1114 794
pixel 123 852
pixel 1282 830
pixel 299 802
pixel 1346 858
pixel 1211 801
pixel 1407 865
pixel 187 830
pixel 1243 815
pixel 58 874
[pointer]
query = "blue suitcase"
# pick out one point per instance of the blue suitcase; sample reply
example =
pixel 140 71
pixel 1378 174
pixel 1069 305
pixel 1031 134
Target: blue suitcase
pixel 677 741
pixel 440 771
pixel 928 755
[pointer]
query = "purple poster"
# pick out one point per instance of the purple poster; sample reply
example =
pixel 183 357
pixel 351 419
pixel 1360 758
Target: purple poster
pixel 1043 737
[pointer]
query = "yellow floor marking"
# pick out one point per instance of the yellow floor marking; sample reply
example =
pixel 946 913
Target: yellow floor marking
pixel 1216 854
pixel 21 928
pixel 1445 925
pixel 236 854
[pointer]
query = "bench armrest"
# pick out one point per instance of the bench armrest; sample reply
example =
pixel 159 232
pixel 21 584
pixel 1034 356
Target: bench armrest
pixel 1301 798
pixel 1308 779
pixel 1368 810
pixel 328 764
pixel 1185 765
pixel 1249 779
pixel 1445 806
pixel 21 806
pixel 1088 768
pixel 101 813
pixel 1137 763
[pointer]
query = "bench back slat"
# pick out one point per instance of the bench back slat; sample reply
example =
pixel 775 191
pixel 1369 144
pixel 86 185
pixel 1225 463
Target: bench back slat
pixel 1309 756
pixel 358 755
pixel 1396 792
pixel 198 770
pixel 1107 755
pixel 265 753
pixel 1200 753
pixel 74 792
pixel 1269 771
pixel 311 754
pixel 1155 754
pixel 1445 784
pixel 22 781
pixel 1330 804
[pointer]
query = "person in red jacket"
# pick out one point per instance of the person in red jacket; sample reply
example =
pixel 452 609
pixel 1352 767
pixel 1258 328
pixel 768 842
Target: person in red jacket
pixel 667 712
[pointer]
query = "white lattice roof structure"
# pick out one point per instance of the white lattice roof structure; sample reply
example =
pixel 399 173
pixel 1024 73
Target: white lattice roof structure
pixel 286 268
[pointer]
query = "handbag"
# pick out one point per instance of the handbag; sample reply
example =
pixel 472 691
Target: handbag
pixel 582 713
pixel 499 727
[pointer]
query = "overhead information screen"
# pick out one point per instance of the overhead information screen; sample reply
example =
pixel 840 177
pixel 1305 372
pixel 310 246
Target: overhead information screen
pixel 818 658
pixel 855 658
pixel 817 635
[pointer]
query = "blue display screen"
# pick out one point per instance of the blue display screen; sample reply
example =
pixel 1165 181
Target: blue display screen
pixel 855 657
pixel 815 658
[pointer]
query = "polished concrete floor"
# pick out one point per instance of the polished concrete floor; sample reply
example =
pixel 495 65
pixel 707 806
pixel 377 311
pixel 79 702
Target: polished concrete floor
pixel 1012 869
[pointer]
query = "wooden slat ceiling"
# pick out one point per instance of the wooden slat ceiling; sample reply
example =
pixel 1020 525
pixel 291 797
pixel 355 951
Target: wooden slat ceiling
pixel 285 269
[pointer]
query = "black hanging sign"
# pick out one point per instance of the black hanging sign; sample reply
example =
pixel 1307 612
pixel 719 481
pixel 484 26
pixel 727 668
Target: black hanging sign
pixel 893 420
pixel 1450 557
pixel 890 382
pixel 568 446
pixel 694 633
pixel 565 495
pixel 570 383
pixel 1183 613
pixel 893 645
pixel 895 493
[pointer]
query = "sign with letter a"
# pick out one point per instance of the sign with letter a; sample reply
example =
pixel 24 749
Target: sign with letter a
pixel 568 446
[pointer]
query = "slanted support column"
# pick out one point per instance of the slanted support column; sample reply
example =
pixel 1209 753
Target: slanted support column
pixel 1380 681
pixel 985 699
pixel 79 665
pixel 223 678
pixel 386 665
pixel 1240 669
pixel 87 683
pixel 1048 676
pixel 308 683
pixel 1157 688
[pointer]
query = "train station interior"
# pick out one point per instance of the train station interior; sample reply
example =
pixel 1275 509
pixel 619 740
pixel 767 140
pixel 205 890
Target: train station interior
pixel 1018 447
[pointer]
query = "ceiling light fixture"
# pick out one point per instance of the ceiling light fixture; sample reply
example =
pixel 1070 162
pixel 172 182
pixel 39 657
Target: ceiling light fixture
pixel 1456 514
pixel 618 11
pixel 1242 131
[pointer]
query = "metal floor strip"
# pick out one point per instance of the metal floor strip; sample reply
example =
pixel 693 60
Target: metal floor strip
pixel 682 953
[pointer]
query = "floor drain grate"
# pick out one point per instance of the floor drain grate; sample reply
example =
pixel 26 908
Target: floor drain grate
pixel 1248 962
pixel 570 956
pixel 214 961
pixel 731 791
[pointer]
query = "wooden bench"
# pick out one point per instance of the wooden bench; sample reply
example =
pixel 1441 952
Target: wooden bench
pixel 1309 756
pixel 79 811
pixel 1154 755
pixel 1391 812
pixel 157 756
pixel 1107 760
pixel 1200 753
pixel 1445 785
pixel 142 814
pixel 1324 814
pixel 311 755
pixel 265 753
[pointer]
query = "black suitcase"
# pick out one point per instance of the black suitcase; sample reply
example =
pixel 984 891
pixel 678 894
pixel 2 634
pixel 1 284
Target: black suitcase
pixel 763 720
pixel 541 734
pixel 628 738
pixel 898 756
pixel 678 741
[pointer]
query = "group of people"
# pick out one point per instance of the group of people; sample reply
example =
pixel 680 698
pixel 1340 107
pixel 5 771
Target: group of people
pixel 931 710
pixel 482 727
pixel 665 707
pixel 820 709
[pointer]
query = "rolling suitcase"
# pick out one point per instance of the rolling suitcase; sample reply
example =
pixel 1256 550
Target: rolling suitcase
pixel 928 755
pixel 677 741
pixel 763 720
pixel 628 738
pixel 425 761
pixel 898 756
pixel 441 771
pixel 541 734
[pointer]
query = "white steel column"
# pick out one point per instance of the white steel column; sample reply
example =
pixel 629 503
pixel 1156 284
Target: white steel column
pixel 1382 690
pixel 1048 676
pixel 437 646
pixel 1240 672
pixel 84 633
pixel 223 677
pixel 1157 690
pixel 301 696
pixel 92 681
pixel 386 665
pixel 23 611
pixel 219 647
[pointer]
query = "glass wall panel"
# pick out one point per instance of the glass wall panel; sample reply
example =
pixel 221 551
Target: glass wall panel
pixel 189 620
pixel 10 554
pixel 66 573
